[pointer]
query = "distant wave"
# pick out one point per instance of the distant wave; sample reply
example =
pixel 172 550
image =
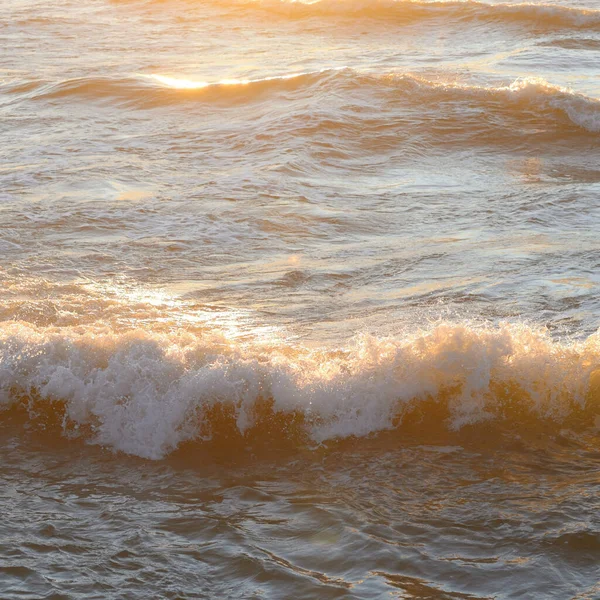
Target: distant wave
pixel 151 91
pixel 541 16
pixel 575 43
pixel 145 393
pixel 525 99
pixel 531 93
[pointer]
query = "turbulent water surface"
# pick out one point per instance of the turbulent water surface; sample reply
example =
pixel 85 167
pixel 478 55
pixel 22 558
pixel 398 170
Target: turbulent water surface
pixel 299 300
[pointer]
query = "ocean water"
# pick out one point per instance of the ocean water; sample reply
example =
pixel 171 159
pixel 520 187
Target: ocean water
pixel 299 300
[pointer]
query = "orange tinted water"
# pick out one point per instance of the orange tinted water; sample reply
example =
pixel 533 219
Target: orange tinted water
pixel 299 300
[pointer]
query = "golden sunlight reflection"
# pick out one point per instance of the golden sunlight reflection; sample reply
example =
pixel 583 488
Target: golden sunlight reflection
pixel 158 308
pixel 182 83
pixel 300 299
pixel 189 84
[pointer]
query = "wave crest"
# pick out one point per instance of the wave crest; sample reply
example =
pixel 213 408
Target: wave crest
pixel 531 99
pixel 147 393
pixel 524 94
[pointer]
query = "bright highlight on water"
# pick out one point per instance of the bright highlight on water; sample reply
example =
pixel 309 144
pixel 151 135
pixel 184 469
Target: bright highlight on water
pixel 299 299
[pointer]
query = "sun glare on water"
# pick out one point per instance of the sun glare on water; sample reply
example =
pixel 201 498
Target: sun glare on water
pixel 189 84
pixel 181 83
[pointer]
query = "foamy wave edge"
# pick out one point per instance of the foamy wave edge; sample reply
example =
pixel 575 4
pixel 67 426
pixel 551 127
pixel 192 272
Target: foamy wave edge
pixel 147 393
pixel 532 92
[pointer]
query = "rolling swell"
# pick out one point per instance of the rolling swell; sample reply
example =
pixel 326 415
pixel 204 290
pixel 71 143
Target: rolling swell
pixel 146 393
pixel 526 100
pixel 156 91
pixel 538 16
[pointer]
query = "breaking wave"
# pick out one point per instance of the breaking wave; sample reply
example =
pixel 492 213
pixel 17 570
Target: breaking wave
pixel 147 393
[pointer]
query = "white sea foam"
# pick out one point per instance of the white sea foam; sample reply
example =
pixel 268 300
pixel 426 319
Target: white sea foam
pixel 145 393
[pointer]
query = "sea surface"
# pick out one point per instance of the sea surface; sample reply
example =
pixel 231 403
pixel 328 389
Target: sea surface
pixel 299 300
